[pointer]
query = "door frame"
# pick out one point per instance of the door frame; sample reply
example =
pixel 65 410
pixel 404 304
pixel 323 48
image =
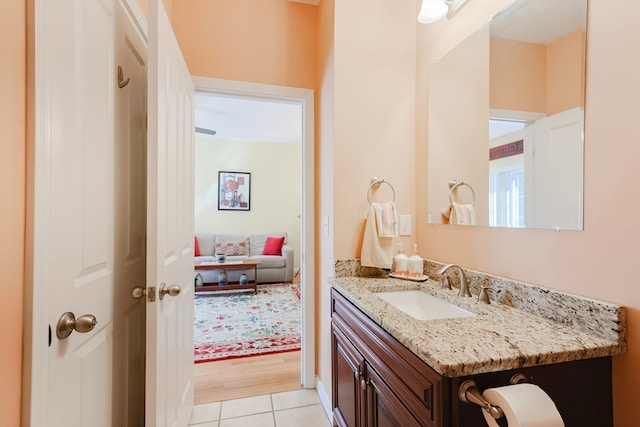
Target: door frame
pixel 307 259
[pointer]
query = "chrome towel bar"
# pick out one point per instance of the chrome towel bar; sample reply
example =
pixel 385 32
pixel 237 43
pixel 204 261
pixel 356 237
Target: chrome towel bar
pixel 454 185
pixel 375 183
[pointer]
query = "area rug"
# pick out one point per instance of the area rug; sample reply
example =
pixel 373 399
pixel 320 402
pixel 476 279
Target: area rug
pixel 239 324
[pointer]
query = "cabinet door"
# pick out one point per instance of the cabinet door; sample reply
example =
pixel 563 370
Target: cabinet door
pixel 384 409
pixel 348 365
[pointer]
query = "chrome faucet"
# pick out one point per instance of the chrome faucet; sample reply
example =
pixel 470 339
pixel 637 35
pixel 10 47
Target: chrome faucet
pixel 464 288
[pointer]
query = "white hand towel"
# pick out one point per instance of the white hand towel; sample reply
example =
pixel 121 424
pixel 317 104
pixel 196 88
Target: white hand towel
pixel 376 251
pixel 463 214
pixel 386 219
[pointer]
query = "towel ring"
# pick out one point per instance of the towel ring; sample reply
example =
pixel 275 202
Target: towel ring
pixel 453 185
pixel 376 183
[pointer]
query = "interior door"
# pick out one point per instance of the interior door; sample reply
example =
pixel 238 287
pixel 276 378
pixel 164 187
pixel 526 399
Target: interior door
pixel 130 88
pixel 169 370
pixel 72 215
pixel 554 153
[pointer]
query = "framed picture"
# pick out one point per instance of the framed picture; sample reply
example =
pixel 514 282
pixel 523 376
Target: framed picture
pixel 234 191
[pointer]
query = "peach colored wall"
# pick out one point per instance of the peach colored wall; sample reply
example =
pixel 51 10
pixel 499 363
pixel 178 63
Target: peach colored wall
pixel 601 261
pixel 260 41
pixel 324 196
pixel 366 130
pixel 518 75
pixel 566 72
pixel 538 78
pixel 374 112
pixel 460 132
pixel 12 203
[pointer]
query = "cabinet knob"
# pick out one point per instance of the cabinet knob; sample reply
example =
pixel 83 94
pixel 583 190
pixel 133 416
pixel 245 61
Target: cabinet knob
pixel 363 384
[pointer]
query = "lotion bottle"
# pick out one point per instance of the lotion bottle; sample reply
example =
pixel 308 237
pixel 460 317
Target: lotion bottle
pixel 400 263
pixel 415 264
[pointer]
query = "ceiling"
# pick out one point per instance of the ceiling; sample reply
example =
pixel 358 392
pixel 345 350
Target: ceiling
pixel 552 20
pixel 243 118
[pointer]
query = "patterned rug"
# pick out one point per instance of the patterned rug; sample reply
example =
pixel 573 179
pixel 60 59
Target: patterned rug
pixel 238 324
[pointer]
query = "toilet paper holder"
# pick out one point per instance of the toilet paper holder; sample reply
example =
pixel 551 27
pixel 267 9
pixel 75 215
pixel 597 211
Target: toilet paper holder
pixel 469 393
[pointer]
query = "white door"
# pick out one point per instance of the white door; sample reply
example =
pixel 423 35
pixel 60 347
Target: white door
pixel 554 152
pixel 87 222
pixel 169 384
pixel 72 214
pixel 130 88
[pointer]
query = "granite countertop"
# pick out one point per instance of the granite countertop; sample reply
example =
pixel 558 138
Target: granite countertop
pixel 498 338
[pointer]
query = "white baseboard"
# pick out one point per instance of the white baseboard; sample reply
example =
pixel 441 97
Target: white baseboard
pixel 325 400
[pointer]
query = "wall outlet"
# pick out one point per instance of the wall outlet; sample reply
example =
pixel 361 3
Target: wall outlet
pixel 405 225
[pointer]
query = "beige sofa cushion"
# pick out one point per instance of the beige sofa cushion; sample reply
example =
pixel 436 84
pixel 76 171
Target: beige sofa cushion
pixel 231 245
pixel 206 242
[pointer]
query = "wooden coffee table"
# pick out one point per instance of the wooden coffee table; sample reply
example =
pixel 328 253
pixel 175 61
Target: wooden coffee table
pixel 229 265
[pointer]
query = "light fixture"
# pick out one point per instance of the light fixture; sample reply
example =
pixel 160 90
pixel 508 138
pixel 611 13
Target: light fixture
pixel 434 10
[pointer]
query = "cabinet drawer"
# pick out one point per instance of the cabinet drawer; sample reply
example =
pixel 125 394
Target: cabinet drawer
pixel 417 386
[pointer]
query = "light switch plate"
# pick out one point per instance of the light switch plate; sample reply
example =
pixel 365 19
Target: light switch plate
pixel 405 225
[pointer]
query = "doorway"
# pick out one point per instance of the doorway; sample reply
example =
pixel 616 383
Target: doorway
pixel 303 99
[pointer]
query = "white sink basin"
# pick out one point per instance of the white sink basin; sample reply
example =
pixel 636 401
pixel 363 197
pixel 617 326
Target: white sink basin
pixel 422 306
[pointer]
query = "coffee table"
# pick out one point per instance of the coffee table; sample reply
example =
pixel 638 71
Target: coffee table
pixel 229 265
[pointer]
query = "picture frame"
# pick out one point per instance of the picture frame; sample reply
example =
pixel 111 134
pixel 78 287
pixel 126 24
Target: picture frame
pixel 234 191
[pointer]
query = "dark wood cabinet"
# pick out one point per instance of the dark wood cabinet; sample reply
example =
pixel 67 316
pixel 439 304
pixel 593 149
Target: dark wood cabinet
pixel 384 408
pixel 378 382
pixel 580 389
pixel 348 367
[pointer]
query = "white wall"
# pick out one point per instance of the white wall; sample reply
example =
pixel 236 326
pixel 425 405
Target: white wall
pixel 275 188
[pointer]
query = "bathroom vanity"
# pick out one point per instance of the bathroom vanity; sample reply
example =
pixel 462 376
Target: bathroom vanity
pixel 390 369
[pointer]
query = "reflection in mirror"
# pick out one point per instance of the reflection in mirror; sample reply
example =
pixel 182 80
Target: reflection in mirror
pixel 506 117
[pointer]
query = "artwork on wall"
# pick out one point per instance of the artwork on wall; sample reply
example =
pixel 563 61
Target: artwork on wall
pixel 234 191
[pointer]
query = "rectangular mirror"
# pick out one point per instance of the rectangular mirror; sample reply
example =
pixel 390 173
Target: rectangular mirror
pixel 506 121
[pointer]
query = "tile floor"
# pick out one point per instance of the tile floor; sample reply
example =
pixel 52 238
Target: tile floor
pixel 286 409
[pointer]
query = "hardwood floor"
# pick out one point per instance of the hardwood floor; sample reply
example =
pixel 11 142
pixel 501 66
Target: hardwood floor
pixel 246 376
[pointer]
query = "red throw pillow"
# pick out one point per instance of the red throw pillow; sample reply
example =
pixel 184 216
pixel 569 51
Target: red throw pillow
pixel 196 246
pixel 273 246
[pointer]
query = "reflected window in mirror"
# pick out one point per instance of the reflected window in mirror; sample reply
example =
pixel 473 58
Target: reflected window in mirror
pixel 506 173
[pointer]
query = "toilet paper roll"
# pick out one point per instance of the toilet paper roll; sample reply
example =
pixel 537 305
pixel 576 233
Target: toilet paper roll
pixel 524 405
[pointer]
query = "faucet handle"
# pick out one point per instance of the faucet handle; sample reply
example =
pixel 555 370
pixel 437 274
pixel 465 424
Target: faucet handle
pixel 483 296
pixel 446 284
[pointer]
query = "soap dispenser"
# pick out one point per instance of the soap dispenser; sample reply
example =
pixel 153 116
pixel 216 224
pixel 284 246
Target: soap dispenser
pixel 400 263
pixel 415 264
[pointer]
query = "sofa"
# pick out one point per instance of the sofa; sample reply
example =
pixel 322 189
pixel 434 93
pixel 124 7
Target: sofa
pixel 276 268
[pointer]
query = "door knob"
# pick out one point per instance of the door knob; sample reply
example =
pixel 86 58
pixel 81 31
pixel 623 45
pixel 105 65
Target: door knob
pixel 138 292
pixel 68 323
pixel 172 290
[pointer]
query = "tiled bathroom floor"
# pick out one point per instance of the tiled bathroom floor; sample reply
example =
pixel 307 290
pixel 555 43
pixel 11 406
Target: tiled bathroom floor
pixel 286 409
